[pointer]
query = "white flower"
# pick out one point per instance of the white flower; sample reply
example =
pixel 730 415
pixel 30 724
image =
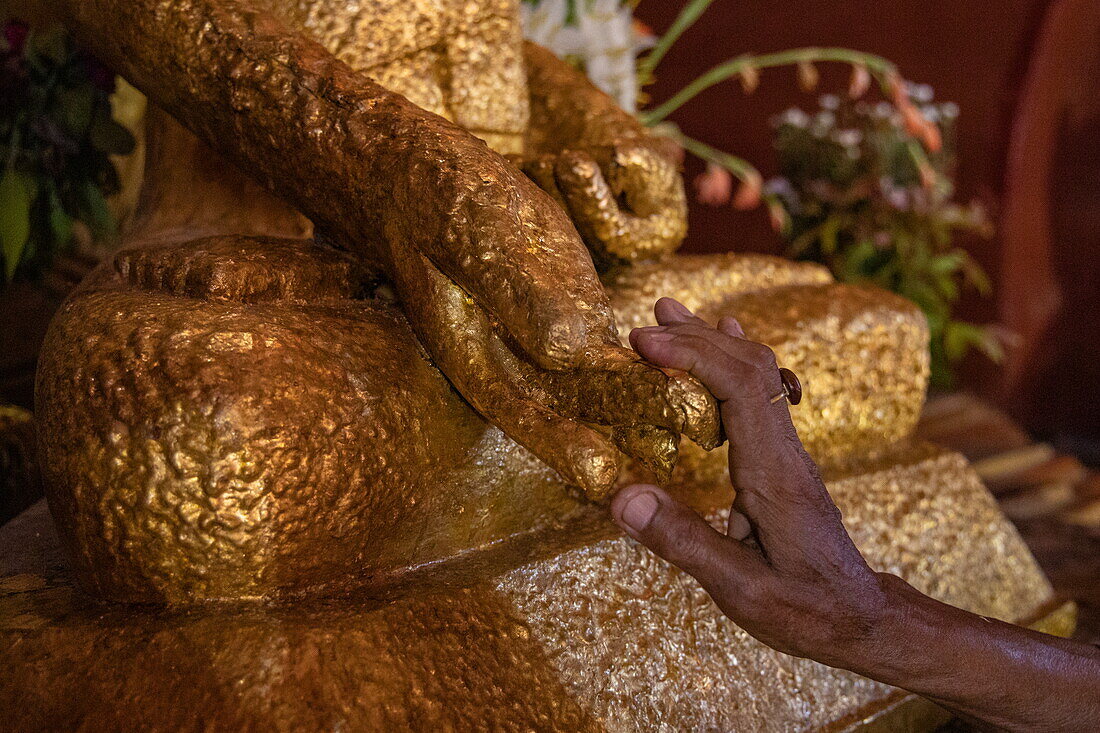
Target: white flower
pixel 604 39
pixel 922 93
pixel 544 23
pixel 794 117
pixel 848 138
pixel 884 110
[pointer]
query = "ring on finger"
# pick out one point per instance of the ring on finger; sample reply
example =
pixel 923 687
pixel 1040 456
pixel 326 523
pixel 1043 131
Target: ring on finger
pixel 792 387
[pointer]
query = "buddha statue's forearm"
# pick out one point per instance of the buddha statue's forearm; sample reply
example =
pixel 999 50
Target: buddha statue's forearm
pixel 341 148
pixel 568 111
pixel 375 173
pixel 449 220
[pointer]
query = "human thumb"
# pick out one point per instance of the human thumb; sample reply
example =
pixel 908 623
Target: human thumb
pixel 677 533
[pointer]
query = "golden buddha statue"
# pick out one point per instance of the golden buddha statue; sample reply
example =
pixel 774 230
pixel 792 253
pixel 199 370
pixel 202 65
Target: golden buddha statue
pixel 350 342
pixel 492 277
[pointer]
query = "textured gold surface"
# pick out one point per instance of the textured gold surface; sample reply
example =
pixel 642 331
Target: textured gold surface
pixel 459 59
pixel 861 354
pixel 227 418
pixel 602 611
pixel 700 281
pixel 497 284
pixel 224 420
pixel 247 81
pixel 603 636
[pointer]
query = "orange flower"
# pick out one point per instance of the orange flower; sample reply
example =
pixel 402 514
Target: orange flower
pixel 860 83
pixel 916 124
pixel 750 79
pixel 807 76
pixel 714 186
pixel 748 193
pixel 912 119
pixel 895 86
pixel 641 30
pixel 931 136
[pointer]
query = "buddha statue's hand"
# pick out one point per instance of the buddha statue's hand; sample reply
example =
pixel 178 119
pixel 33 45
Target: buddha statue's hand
pixel 510 308
pixel 626 199
pixel 619 183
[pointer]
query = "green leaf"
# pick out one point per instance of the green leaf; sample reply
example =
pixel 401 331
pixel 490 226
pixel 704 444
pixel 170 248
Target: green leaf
pixel 109 136
pixel 49 45
pixel 16 194
pixel 948 263
pixel 947 286
pixel 927 298
pixel 73 109
pixel 61 224
pixel 976 276
pixel 959 338
pixel 829 234
pixel 95 211
pixel 851 265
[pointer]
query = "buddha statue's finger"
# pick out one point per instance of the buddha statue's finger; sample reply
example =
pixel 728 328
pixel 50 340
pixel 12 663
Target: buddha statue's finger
pixel 514 251
pixel 540 169
pixel 616 387
pixel 628 203
pixel 486 373
pixel 653 447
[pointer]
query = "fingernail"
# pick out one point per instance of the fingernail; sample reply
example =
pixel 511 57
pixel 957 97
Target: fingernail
pixel 655 333
pixel 639 511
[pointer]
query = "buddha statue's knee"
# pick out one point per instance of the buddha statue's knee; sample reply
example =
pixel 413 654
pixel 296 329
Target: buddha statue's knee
pixel 237 417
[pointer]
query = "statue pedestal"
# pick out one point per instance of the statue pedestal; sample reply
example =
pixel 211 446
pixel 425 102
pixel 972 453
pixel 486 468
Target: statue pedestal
pixel 589 632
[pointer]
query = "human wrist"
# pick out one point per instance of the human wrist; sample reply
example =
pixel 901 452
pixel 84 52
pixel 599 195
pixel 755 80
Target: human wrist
pixel 905 633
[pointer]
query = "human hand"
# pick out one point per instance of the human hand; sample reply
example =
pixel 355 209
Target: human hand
pixel 627 199
pixel 786 570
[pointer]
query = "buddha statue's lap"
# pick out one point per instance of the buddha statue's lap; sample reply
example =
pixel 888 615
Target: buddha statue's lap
pixel 243 414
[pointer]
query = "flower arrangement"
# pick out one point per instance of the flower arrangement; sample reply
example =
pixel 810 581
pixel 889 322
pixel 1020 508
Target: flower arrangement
pixel 853 197
pixel 57 134
pixel 865 188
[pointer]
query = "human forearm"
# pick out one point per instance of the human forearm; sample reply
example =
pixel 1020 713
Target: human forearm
pixel 982 668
